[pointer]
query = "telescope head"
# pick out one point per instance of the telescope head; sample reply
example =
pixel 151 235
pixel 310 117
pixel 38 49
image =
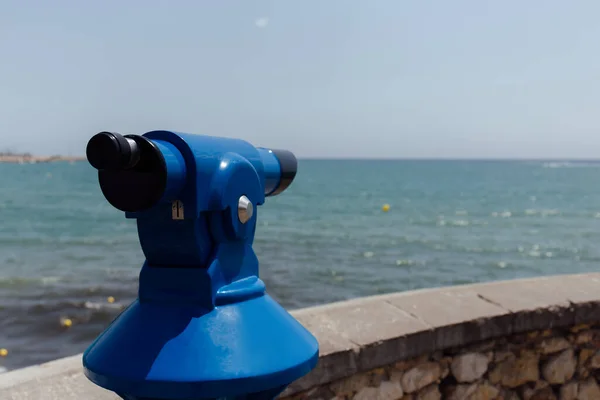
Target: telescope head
pixel 137 172
pixel 202 326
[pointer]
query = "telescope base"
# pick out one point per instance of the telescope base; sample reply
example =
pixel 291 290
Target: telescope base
pixel 250 350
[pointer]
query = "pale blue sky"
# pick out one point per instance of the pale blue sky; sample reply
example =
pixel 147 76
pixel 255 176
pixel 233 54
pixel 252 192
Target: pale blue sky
pixel 378 78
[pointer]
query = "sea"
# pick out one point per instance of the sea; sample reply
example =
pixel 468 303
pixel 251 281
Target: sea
pixel 69 262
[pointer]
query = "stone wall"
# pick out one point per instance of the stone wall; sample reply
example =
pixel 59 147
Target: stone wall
pixel 540 365
pixel 532 339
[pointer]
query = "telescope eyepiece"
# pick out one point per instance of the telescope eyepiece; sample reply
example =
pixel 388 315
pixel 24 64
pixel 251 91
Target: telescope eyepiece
pixel 289 167
pixel 132 170
pixel 112 152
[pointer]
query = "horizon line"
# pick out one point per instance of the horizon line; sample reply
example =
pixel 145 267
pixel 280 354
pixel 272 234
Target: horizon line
pixel 369 158
pixel 336 158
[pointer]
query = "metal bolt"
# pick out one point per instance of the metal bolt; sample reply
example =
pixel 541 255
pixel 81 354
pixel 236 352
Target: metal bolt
pixel 245 209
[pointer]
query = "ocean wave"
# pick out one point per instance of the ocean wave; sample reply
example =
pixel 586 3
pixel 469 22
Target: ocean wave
pixel 530 212
pixel 90 305
pixel 502 214
pixel 542 212
pixel 130 240
pixel 26 281
pixel 408 262
pixel 514 213
pixel 457 222
pixel 52 308
pixel 570 164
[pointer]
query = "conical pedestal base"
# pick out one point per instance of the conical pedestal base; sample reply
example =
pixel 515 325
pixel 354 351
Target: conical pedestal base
pixel 248 350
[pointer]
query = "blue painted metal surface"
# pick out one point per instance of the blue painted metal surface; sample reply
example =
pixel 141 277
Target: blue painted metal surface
pixel 202 326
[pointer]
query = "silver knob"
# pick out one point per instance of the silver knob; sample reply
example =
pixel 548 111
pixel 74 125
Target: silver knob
pixel 245 209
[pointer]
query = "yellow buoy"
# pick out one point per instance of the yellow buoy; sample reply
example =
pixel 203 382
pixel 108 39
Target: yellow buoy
pixel 385 208
pixel 66 322
pixel 3 352
pixel 110 299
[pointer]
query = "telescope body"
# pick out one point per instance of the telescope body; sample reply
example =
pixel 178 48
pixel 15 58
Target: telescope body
pixel 202 326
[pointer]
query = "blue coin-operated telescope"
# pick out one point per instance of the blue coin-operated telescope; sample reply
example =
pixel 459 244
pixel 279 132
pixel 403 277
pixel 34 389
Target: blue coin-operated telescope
pixel 202 326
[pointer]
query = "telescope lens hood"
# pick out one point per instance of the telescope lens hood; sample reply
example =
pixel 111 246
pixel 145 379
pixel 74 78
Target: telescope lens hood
pixel 289 167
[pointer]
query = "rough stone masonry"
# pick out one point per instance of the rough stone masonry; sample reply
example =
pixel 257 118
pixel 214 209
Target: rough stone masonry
pixel 559 364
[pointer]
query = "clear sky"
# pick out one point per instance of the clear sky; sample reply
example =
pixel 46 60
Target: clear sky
pixel 343 78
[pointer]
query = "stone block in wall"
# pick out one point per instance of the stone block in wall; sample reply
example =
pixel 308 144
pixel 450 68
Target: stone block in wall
pixel 569 391
pixel 514 372
pixel 583 360
pixel 421 376
pixel 386 390
pixel 560 368
pixel 554 345
pixel 485 391
pixel 503 355
pixel 584 337
pixel 530 390
pixel 469 367
pixel 588 390
pixel 367 393
pixel 472 391
pixel 544 394
pixel 351 384
pixel 445 366
pixel 396 375
pixel 594 362
pixel 389 390
pixel 431 392
pixel 460 391
pixel 506 394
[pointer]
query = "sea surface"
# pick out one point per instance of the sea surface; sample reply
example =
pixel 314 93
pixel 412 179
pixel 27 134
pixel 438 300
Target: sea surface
pixel 64 250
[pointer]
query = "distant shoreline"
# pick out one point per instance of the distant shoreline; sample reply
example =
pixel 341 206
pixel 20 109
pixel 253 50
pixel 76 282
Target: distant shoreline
pixel 30 159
